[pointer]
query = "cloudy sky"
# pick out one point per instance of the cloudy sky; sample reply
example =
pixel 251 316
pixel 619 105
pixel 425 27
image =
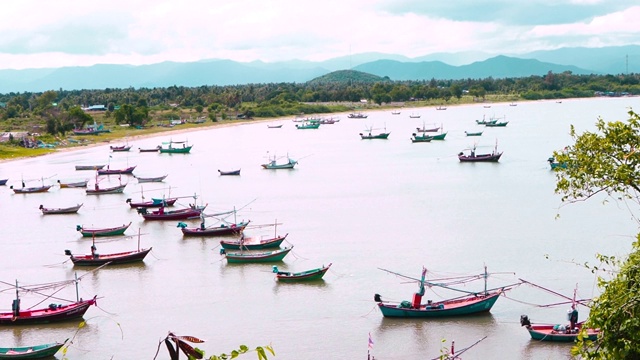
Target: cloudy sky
pixel 42 33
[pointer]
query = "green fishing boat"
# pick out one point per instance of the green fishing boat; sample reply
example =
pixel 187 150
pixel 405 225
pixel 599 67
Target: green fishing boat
pixel 309 275
pixel 469 133
pixel 175 147
pixel 31 352
pixel 89 232
pixel 311 124
pixel 253 257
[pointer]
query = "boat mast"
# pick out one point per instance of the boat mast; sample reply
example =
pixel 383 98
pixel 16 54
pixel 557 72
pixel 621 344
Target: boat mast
pixel 485 279
pixel 77 295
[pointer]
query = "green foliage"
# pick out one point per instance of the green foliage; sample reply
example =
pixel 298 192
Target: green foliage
pixel 606 162
pixel 346 76
pixel 132 115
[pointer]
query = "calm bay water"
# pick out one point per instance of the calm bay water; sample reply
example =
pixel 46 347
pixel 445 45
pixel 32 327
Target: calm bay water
pixel 361 205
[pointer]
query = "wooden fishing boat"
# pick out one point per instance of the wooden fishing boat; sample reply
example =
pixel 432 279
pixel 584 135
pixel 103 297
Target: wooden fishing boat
pixel 67 210
pixel 371 136
pixel 73 184
pixel 309 275
pixel 308 125
pixel 485 122
pixel 113 231
pixel 554 164
pixel 42 351
pixel 31 190
pixel 180 214
pixel 274 126
pixel 273 165
pixel 247 257
pixel 222 230
pixel 496 124
pixel 395 112
pixel 154 203
pixel 470 133
pixel 155 149
pixel 250 243
pixel 107 171
pixel 3 181
pixel 118 189
pixel 414 116
pixel 470 303
pixel 113 259
pixel 170 148
pixel 357 116
pixel 150 179
pixel 232 172
pixel 556 332
pixel 472 156
pixel 421 138
pixel 89 167
pixel 428 129
pixel 120 148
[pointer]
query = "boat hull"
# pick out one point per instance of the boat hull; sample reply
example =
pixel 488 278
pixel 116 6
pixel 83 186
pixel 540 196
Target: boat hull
pixel 112 259
pixel 128 170
pixel 382 136
pixel 111 190
pixel 309 275
pixel 32 190
pixel 233 172
pixel 119 230
pixel 480 158
pixel 182 214
pixel 547 333
pixel 249 245
pixel 31 352
pixel 89 167
pixel 48 315
pixel 242 258
pixel 233 229
pixel 69 210
pixel 464 306
pixel 174 150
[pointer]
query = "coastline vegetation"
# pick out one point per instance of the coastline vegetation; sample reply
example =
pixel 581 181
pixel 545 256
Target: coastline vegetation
pixel 47 119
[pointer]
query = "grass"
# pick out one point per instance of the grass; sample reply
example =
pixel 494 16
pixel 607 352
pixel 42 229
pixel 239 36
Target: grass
pixel 8 152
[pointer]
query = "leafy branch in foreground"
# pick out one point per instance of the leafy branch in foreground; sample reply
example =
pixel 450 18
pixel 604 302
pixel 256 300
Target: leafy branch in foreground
pixel 195 353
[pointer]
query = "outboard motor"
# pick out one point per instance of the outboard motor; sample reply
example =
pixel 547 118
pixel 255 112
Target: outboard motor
pixel 377 298
pixel 524 321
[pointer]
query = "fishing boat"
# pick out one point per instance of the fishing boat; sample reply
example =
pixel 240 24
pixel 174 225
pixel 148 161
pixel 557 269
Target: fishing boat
pixel 553 164
pixel 496 124
pixel 357 116
pixel 441 108
pixel 253 243
pixel 395 112
pixel 50 314
pixel 97 190
pixel 421 138
pixel 432 128
pixel 273 165
pixel 567 332
pixel 221 230
pixel 120 148
pixel 471 133
pixel 150 179
pixel 311 124
pixel 192 212
pixel 484 121
pixel 154 203
pixel 232 172
pixel 470 303
pixel 3 181
pixel 173 147
pixel 73 184
pixel 108 171
pixel 89 167
pixel 370 135
pixel 472 156
pixel 113 231
pixel 67 210
pixel 30 190
pixel 95 259
pixel 42 351
pixel 513 104
pixel 414 116
pixel 253 257
pixel 329 121
pixel 309 275
pixel 274 126
pixel 155 149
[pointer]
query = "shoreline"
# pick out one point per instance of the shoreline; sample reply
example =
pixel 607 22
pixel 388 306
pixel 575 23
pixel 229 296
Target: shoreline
pixel 210 126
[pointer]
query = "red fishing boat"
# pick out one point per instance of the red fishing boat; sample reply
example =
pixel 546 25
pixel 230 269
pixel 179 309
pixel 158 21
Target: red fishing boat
pixel 223 229
pixel 49 314
pixel 192 212
pixel 95 259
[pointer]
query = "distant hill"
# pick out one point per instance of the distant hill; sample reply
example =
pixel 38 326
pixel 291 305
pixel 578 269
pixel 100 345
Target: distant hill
pixel 497 67
pixel 606 60
pixel 347 76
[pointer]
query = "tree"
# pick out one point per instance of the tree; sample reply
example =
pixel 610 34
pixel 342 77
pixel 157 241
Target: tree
pixel 132 115
pixel 607 162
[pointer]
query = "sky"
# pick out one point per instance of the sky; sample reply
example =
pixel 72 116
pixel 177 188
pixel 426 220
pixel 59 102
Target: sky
pixel 50 34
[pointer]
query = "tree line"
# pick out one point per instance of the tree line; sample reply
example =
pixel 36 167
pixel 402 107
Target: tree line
pixel 61 110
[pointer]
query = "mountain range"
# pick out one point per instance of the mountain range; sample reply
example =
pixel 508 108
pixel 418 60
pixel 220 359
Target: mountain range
pixel 605 60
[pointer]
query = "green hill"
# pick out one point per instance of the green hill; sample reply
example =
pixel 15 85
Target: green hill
pixel 347 76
